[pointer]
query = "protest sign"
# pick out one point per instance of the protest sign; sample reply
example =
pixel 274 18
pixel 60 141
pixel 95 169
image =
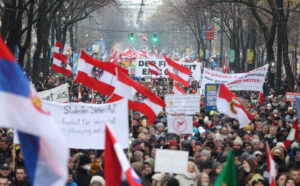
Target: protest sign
pixel 142 65
pixel 171 161
pixel 182 104
pixel 290 96
pixel 180 124
pixel 252 80
pixel 83 125
pixel 58 94
pixel 211 94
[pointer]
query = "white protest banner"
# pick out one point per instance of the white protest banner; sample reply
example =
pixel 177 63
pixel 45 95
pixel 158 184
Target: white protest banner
pixel 141 68
pixel 171 161
pixel 180 124
pixel 182 104
pixel 252 80
pixel 58 94
pixel 84 124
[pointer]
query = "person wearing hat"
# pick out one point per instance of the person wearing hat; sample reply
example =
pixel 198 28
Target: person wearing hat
pixel 257 180
pixel 156 178
pixel 160 130
pixel 97 180
pixel 237 146
pixel 83 176
pixel 6 171
pixel 173 145
pixel 148 171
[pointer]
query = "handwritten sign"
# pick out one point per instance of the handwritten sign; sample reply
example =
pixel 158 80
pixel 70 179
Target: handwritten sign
pixel 142 65
pixel 180 124
pixel 58 94
pixel 182 104
pixel 211 94
pixel 171 161
pixel 84 124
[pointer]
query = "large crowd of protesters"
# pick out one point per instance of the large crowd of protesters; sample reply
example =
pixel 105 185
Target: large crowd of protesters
pixel 214 135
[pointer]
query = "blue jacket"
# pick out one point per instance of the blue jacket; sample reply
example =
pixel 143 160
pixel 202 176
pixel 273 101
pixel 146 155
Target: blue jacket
pixel 72 183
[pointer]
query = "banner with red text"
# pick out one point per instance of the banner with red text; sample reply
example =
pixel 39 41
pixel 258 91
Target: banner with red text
pixel 252 80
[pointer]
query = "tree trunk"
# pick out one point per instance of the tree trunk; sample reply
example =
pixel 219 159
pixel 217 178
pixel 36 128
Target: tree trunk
pixel 285 49
pixel 71 33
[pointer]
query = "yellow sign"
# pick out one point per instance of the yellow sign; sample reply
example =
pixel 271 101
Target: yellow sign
pixel 250 56
pixel 201 53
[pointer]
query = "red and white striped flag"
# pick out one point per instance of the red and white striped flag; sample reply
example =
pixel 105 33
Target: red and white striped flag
pixel 261 98
pixel 155 53
pixel 60 61
pixel 293 135
pixel 97 74
pixel 177 89
pixel 128 53
pixel 153 69
pixel 139 98
pixel 113 57
pixel 117 163
pixel 226 67
pixel 271 167
pixel 79 94
pixel 143 54
pixel 229 104
pixel 178 73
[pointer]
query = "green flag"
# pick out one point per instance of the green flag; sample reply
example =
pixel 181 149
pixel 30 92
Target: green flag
pixel 228 175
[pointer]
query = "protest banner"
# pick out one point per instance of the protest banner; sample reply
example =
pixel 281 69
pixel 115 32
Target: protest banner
pixel 182 104
pixel 171 161
pixel 142 65
pixel 252 80
pixel 58 94
pixel 290 96
pixel 83 124
pixel 211 94
pixel 180 124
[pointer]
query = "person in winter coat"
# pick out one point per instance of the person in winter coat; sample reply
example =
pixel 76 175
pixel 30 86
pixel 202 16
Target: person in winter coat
pixel 246 171
pixel 191 177
pixel 70 181
pixel 83 176
pixel 148 172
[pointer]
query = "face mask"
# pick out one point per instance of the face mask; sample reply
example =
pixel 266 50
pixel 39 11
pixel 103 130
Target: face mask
pixel 87 167
pixel 205 184
pixel 247 170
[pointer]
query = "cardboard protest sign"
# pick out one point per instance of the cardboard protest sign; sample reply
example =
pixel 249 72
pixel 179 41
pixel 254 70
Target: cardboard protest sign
pixel 180 124
pixel 83 125
pixel 182 104
pixel 142 65
pixel 171 161
pixel 252 80
pixel 58 94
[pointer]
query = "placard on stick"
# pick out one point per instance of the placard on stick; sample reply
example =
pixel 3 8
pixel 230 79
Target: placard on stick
pixel 182 104
pixel 171 161
pixel 180 124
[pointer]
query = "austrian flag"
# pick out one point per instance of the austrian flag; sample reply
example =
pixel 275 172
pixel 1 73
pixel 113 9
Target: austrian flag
pixel 97 74
pixel 229 104
pixel 153 69
pixel 60 61
pixel 178 73
pixel 139 98
pixel 177 89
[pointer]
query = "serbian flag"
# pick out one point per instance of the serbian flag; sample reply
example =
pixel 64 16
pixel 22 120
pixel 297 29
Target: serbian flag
pixel 178 73
pixel 116 165
pixel 271 167
pixel 60 61
pixel 42 142
pixel 97 74
pixel 229 104
pixel 153 69
pixel 177 89
pixel 139 98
